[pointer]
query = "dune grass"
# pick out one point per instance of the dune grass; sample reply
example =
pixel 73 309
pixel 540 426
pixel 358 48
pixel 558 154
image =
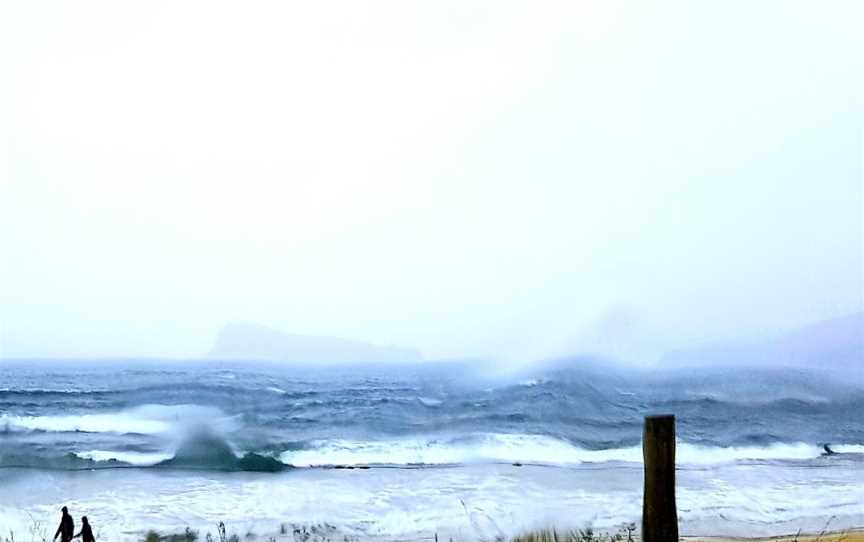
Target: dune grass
pixel 302 533
pixel 187 536
pixel 624 534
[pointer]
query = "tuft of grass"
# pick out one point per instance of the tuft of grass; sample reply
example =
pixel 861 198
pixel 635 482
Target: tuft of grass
pixel 192 536
pixel 323 532
pixel 187 536
pixel 624 533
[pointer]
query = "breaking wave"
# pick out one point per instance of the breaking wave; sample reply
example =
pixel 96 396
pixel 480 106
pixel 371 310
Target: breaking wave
pixel 529 449
pixel 143 420
pixel 203 449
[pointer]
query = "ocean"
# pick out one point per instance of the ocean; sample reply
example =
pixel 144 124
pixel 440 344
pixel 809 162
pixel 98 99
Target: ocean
pixel 405 451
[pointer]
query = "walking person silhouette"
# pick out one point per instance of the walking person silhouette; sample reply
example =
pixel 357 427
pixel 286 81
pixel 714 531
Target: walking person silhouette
pixel 66 527
pixel 86 533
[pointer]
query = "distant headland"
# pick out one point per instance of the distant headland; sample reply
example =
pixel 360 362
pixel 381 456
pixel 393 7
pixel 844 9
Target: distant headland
pixel 251 341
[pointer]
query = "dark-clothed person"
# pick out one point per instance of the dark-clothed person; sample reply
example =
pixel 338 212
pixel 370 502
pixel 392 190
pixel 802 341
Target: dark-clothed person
pixel 86 533
pixel 66 527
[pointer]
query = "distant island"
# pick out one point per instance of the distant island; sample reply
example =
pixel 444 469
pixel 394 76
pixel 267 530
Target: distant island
pixel 250 341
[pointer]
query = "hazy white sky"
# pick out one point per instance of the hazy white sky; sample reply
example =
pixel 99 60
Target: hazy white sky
pixel 484 179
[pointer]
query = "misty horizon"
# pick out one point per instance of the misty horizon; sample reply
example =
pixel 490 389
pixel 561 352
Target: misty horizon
pixel 834 346
pixel 584 188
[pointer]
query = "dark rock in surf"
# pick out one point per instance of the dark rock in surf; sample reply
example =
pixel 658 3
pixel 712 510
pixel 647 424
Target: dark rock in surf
pixel 260 463
pixel 204 450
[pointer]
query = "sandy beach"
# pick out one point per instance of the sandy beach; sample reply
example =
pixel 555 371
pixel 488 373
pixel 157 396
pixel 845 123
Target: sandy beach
pixel 847 535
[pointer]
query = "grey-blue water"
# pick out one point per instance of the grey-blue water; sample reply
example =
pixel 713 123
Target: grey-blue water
pixel 459 427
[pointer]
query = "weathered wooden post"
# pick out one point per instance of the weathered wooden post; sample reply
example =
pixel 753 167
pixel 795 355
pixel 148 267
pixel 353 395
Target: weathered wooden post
pixel 659 514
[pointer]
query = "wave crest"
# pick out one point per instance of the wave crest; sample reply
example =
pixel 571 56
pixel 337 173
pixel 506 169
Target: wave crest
pixel 145 420
pixel 526 449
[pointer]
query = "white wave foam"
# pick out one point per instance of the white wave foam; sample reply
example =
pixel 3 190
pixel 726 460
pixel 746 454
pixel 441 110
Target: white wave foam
pixel 481 448
pixel 429 401
pixel 849 448
pixel 91 423
pixel 133 458
pixel 146 419
pixel 513 448
pixel 53 390
pixel 707 455
pixel 462 503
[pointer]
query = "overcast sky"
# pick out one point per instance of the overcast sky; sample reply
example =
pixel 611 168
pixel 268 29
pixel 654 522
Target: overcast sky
pixel 473 179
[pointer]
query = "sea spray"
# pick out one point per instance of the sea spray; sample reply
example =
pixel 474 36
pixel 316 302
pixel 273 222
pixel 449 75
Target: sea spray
pixel 203 449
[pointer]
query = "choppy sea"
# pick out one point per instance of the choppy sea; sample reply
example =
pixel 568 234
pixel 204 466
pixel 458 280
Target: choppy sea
pixel 394 451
